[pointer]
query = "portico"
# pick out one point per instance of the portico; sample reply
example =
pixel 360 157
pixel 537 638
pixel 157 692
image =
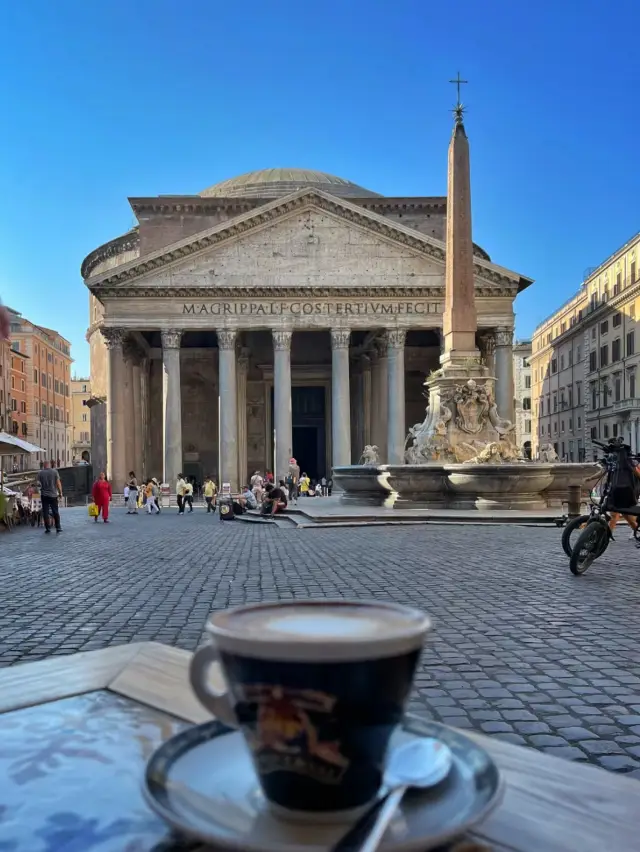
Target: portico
pixel 305 325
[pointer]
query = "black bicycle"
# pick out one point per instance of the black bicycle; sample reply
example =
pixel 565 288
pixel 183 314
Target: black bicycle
pixel 596 531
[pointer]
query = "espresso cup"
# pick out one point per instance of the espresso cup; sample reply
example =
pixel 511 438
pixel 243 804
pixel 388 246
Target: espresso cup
pixel 316 687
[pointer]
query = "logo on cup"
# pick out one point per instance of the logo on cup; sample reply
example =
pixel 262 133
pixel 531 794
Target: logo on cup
pixel 292 731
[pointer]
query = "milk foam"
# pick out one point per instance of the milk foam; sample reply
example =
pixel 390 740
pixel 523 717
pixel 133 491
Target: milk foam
pixel 319 622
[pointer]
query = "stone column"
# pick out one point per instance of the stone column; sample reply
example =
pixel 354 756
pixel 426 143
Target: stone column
pixel 243 367
pixel 116 461
pixel 504 372
pixel 340 399
pixel 127 392
pixel 137 419
pixel 145 436
pixel 395 395
pixel 282 426
pixel 487 340
pixel 379 402
pixel 366 401
pixel 228 391
pixel 171 407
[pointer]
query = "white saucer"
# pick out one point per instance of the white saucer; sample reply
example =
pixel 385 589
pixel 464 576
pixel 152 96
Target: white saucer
pixel 203 784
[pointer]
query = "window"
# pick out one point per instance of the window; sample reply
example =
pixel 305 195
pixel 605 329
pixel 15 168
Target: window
pixel 571 424
pixel 23 407
pixel 13 382
pixel 618 285
pixel 631 343
pixel 67 416
pixel 36 407
pixel 527 381
pixel 617 320
pixel 617 387
pixel 44 411
pixel 49 357
pixel 562 456
pixel 84 388
pixel 615 430
pixel 570 393
pixel 526 405
pixel 594 396
pixel 49 381
pixel 527 427
pixel 615 350
pixel 562 362
pixel 605 394
pixel 593 361
pixel 604 355
pixel 570 357
pixel 14 404
pixel 604 327
pixel 24 429
pixel 57 413
pixel 66 390
pixel 55 386
pixel 632 385
pixel 555 403
pixel 84 418
pixel 579 422
pixel 44 380
pixel 633 272
pixel 35 377
pixel 555 428
pixel 562 425
pixel 593 334
pixel 554 365
pixel 605 430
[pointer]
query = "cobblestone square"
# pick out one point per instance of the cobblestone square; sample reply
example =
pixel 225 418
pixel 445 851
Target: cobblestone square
pixel 522 650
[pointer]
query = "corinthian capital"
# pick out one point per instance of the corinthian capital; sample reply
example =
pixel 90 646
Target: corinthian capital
pixel 340 338
pixel 488 343
pixel 504 336
pixel 282 339
pixel 395 338
pixel 113 337
pixel 171 338
pixel 131 351
pixel 226 338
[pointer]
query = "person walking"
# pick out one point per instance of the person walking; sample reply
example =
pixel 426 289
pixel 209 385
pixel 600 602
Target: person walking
pixel 180 486
pixel 101 494
pixel 325 489
pixel 257 485
pixel 50 491
pixel 305 482
pixel 132 505
pixel 210 494
pixel 293 479
pixel 188 495
pixel 152 497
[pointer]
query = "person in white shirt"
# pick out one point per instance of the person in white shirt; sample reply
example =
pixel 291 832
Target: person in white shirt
pixel 257 485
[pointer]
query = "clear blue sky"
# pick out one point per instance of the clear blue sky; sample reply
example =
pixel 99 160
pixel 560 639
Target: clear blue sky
pixel 101 101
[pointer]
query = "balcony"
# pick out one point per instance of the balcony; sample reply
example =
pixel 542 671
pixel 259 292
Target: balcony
pixel 627 406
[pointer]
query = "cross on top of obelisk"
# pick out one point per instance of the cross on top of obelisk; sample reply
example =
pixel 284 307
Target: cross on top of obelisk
pixel 459 108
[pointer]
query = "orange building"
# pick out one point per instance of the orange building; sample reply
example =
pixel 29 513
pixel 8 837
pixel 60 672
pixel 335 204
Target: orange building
pixel 48 389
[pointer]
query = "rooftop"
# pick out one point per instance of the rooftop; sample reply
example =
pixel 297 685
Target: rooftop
pixel 276 183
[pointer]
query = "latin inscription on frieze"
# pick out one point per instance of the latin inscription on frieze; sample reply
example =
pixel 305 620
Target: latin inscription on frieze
pixel 327 309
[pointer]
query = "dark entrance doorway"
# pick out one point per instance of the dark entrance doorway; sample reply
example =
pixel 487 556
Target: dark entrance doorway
pixel 309 433
pixel 309 438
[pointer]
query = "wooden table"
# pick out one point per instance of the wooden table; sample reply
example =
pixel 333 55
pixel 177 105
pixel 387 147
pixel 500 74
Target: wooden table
pixel 549 804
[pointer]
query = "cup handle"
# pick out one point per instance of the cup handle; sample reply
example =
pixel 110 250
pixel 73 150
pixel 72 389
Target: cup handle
pixel 217 702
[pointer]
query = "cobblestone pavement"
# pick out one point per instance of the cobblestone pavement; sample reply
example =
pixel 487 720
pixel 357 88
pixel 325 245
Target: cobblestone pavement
pixel 522 650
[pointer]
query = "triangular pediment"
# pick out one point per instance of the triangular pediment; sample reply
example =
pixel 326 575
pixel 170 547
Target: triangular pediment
pixel 308 239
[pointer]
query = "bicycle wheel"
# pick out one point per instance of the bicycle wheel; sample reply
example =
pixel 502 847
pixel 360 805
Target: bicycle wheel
pixel 573 528
pixel 592 543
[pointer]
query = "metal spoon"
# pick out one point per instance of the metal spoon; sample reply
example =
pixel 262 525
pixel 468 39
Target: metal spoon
pixel 418 763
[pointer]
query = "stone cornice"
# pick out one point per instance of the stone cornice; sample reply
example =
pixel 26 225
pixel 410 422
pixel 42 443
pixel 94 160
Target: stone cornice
pixel 125 242
pixel 281 208
pixel 193 204
pixel 154 291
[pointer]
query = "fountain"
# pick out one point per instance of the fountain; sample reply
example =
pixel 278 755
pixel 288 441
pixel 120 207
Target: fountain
pixel 463 455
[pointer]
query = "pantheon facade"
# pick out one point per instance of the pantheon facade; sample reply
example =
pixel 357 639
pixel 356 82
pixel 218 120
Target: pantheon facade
pixel 283 312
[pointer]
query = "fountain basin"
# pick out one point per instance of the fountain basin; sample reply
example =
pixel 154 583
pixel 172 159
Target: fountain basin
pixel 419 486
pixel 584 474
pixel 499 486
pixel 364 485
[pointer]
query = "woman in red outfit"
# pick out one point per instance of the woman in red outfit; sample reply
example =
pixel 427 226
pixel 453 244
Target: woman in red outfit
pixel 101 496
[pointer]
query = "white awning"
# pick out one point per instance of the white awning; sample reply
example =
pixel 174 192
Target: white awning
pixel 11 445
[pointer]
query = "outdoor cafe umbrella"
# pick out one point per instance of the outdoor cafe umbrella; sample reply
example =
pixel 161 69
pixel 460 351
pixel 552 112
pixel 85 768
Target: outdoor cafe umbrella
pixel 11 445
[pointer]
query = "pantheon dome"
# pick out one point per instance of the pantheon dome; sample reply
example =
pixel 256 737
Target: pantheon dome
pixel 276 183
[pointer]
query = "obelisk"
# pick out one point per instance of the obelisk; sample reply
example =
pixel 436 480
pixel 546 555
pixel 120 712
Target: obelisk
pixel 459 321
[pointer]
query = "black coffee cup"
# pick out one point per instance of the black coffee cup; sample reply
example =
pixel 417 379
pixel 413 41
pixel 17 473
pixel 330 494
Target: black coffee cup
pixel 316 687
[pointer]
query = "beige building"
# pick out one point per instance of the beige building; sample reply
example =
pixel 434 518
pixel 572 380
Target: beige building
pixel 275 314
pixel 48 392
pixel 522 392
pixel 80 420
pixel 584 362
